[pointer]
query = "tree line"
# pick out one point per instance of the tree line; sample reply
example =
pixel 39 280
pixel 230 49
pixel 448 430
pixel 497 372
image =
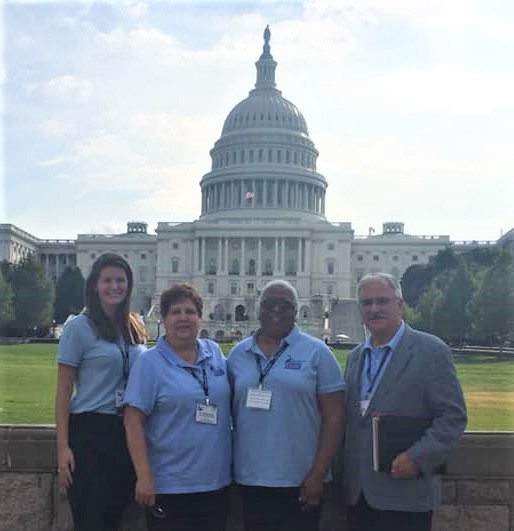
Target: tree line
pixel 30 304
pixel 463 298
pixel 466 297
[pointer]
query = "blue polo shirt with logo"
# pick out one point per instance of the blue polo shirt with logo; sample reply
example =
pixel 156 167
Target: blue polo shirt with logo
pixel 276 448
pixel 185 456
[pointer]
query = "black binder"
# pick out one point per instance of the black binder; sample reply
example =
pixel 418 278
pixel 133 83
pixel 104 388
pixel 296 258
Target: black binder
pixel 392 435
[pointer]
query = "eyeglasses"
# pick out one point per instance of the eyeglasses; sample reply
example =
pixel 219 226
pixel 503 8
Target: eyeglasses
pixel 378 301
pixel 281 304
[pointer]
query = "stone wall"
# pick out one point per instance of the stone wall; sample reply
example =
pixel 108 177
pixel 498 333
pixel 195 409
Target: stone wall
pixel 478 488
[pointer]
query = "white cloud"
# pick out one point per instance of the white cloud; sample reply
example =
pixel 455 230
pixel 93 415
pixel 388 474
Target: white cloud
pixel 66 86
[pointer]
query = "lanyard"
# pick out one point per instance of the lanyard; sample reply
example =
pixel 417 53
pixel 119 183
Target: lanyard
pixel 371 381
pixel 267 369
pixel 203 382
pixel 125 357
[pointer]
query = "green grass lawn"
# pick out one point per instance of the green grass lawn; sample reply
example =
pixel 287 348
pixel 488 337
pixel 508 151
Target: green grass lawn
pixel 28 375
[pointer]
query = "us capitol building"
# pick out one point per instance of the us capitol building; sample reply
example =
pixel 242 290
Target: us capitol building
pixel 262 217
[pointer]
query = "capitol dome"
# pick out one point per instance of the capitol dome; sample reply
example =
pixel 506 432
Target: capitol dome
pixel 264 163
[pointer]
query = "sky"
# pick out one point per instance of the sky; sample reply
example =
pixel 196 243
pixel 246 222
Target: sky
pixel 109 109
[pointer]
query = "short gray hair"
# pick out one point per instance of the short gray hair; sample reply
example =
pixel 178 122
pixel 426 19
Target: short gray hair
pixel 284 284
pixel 391 281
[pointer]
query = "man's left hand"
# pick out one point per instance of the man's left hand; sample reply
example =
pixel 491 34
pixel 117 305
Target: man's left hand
pixel 403 467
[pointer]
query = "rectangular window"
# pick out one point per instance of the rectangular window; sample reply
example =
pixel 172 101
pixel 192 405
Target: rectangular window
pixel 414 257
pixel 174 266
pixel 375 258
pixel 250 288
pixel 210 288
pixel 174 245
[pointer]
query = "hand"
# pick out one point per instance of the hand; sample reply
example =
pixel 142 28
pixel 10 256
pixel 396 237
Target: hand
pixel 65 466
pixel 311 491
pixel 403 467
pixel 145 491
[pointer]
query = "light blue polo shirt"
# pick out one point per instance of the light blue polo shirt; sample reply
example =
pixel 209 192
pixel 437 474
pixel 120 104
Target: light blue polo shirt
pixel 98 364
pixel 184 455
pixel 276 448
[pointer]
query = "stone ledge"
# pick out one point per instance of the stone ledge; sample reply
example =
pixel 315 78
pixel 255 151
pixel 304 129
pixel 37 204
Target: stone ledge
pixel 471 518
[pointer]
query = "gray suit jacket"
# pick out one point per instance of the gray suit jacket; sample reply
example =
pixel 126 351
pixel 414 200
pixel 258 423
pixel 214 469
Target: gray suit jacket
pixel 420 380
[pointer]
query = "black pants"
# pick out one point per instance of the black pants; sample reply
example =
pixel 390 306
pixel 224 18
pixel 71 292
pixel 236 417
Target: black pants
pixel 198 511
pixel 104 479
pixel 276 509
pixel 362 517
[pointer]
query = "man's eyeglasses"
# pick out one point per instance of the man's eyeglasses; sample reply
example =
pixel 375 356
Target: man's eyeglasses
pixel 378 301
pixel 281 304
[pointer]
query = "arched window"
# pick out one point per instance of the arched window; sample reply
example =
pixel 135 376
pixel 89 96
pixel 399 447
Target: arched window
pixel 251 267
pixel 240 313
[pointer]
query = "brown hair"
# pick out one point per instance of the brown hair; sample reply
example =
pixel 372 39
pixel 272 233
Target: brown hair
pixel 178 293
pixel 125 323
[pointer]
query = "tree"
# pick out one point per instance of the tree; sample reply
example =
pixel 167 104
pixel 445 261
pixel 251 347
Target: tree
pixel 425 309
pixel 450 318
pixel 33 296
pixel 492 308
pixel 6 301
pixel 69 294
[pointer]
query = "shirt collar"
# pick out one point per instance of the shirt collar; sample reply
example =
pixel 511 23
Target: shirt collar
pixel 290 339
pixel 170 355
pixel 391 344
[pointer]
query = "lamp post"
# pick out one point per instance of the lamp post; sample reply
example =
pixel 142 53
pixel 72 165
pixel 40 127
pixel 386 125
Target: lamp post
pixel 158 329
pixel 53 328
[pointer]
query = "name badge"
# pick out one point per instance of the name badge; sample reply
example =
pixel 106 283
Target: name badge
pixel 364 404
pixel 206 413
pixel 118 397
pixel 257 398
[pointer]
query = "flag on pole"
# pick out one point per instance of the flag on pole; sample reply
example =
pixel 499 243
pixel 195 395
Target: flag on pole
pixel 249 195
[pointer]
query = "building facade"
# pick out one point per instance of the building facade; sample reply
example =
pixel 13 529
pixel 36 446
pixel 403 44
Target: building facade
pixel 262 216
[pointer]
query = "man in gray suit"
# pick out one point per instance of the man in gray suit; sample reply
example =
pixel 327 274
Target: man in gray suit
pixel 397 371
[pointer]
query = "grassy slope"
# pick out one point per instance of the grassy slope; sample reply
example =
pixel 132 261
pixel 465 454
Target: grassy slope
pixel 27 386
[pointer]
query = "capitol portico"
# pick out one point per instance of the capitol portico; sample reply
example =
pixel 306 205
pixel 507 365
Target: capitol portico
pixel 262 216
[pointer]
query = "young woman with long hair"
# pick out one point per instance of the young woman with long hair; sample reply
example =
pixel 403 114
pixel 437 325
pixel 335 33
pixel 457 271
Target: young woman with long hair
pixel 95 355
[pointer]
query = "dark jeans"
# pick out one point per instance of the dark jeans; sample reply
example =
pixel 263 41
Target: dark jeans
pixel 197 511
pixel 276 509
pixel 104 479
pixel 362 517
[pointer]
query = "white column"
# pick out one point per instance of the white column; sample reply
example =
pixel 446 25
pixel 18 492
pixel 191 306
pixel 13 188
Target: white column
pixel 275 265
pixel 265 193
pixel 299 266
pixel 275 194
pixel 243 265
pixel 226 255
pixel 259 256
pixel 199 255
pixel 204 255
pixel 283 256
pixel 220 251
pixel 308 255
pixel 323 202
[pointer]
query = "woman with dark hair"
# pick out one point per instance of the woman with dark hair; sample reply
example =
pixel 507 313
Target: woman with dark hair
pixel 95 355
pixel 178 422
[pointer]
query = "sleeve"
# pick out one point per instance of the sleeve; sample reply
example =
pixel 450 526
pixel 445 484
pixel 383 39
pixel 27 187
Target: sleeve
pixel 330 378
pixel 446 402
pixel 142 389
pixel 72 343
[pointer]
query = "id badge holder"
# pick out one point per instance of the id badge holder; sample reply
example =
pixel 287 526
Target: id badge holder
pixel 206 413
pixel 119 396
pixel 258 398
